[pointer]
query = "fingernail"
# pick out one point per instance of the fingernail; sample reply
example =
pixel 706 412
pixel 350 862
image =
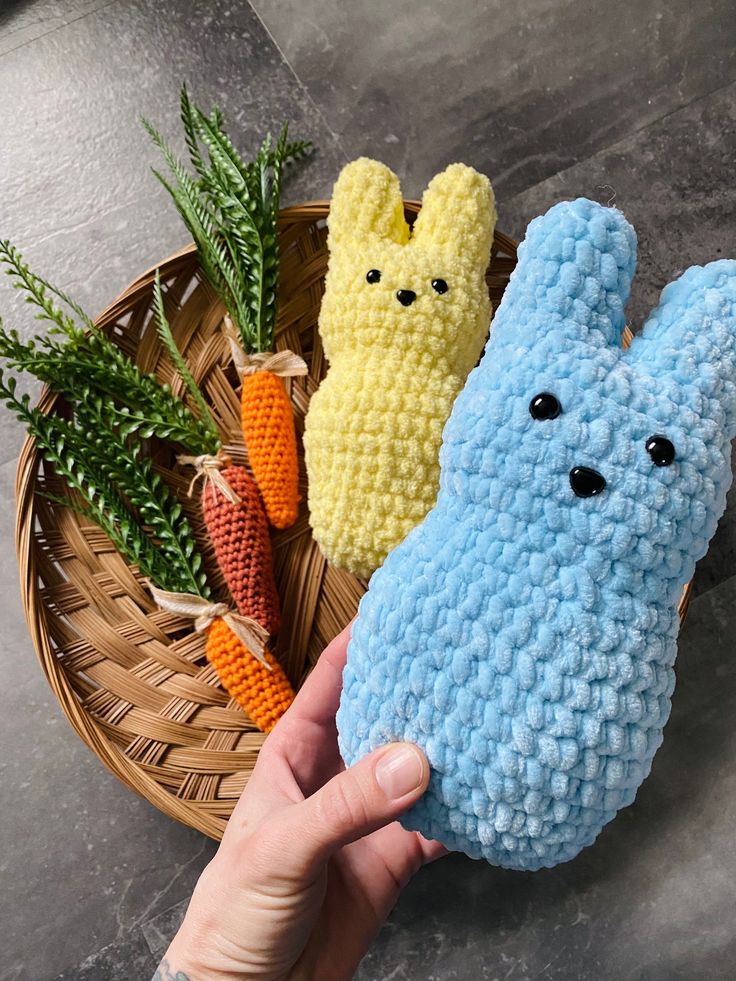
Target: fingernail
pixel 399 771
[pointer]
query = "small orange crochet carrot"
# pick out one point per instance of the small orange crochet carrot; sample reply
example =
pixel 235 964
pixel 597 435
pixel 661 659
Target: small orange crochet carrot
pixel 267 420
pixel 265 695
pixel 235 647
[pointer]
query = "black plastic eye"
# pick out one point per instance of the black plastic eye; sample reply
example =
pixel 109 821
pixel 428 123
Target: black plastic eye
pixel 439 286
pixel 545 406
pixel 373 275
pixel 661 450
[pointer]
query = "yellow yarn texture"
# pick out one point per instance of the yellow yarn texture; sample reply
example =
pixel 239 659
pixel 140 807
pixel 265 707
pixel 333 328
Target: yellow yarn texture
pixel 403 321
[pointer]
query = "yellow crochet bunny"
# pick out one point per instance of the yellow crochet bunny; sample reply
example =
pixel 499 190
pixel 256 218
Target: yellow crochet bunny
pixel 403 321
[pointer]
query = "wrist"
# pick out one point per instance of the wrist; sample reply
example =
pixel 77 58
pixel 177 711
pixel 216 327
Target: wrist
pixel 172 968
pixel 193 952
pixel 181 963
pixel 203 948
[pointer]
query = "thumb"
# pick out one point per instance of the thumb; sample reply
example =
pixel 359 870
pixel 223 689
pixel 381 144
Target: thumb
pixel 358 801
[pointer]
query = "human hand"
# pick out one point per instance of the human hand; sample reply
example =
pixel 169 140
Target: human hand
pixel 312 859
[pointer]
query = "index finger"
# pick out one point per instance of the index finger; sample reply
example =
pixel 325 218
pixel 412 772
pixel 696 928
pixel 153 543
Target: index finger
pixel 296 751
pixel 319 697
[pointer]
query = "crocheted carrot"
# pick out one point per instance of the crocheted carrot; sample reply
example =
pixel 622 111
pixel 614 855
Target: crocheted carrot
pixel 268 431
pixel 231 210
pixel 267 420
pixel 264 694
pixel 239 533
pixel 235 647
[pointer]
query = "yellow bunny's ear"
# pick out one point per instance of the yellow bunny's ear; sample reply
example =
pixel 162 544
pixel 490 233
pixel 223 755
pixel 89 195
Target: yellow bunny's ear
pixel 458 213
pixel 367 201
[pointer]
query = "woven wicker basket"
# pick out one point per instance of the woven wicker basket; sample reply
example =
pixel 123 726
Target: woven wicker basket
pixel 132 680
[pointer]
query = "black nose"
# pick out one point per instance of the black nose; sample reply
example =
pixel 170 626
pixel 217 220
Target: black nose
pixel 586 482
pixel 406 297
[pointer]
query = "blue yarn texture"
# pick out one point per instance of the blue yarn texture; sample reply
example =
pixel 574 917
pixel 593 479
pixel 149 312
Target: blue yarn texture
pixel 525 636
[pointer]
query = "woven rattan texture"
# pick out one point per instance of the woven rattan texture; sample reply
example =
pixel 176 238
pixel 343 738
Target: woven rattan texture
pixel 134 681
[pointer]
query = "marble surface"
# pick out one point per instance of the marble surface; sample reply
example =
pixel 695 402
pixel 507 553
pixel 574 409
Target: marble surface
pixel 520 90
pixel 553 100
pixel 76 190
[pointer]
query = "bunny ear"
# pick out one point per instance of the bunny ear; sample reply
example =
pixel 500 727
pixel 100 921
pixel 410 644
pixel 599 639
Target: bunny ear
pixel 574 269
pixel 689 341
pixel 367 201
pixel 458 212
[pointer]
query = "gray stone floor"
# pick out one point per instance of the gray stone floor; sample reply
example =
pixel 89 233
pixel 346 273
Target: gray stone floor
pixel 634 100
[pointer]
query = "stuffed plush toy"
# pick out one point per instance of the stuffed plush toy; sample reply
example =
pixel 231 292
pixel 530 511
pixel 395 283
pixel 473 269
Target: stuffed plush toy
pixel 525 634
pixel 403 321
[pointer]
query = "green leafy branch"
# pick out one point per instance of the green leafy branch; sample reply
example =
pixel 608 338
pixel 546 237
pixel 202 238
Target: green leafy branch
pixel 90 358
pixel 37 293
pixel 120 461
pixel 114 408
pixel 64 447
pixel 163 328
pixel 230 208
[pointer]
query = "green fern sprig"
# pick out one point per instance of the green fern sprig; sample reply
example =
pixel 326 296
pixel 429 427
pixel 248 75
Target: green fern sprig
pixel 231 210
pixel 37 292
pixel 114 408
pixel 196 211
pixel 93 360
pixel 111 452
pixel 66 449
pixel 187 114
pixel 167 339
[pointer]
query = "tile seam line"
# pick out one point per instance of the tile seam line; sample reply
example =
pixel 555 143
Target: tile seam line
pixel 59 27
pixel 626 136
pixel 300 83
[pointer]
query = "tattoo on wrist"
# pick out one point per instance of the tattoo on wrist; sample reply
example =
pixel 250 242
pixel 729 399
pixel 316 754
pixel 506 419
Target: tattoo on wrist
pixel 165 973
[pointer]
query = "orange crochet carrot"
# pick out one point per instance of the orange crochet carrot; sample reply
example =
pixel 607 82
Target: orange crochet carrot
pixel 268 431
pixel 239 534
pixel 265 695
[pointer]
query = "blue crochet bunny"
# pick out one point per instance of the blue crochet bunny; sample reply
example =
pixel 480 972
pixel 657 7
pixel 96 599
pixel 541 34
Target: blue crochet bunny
pixel 524 635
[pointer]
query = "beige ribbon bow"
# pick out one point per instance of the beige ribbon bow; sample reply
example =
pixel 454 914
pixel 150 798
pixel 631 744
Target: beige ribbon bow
pixel 209 468
pixel 285 364
pixel 250 633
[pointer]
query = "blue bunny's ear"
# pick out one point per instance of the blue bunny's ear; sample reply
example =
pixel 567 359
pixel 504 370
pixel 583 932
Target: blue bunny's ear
pixel 575 269
pixel 689 341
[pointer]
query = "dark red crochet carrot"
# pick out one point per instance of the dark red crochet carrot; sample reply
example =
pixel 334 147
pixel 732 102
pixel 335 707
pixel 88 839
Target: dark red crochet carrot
pixel 239 534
